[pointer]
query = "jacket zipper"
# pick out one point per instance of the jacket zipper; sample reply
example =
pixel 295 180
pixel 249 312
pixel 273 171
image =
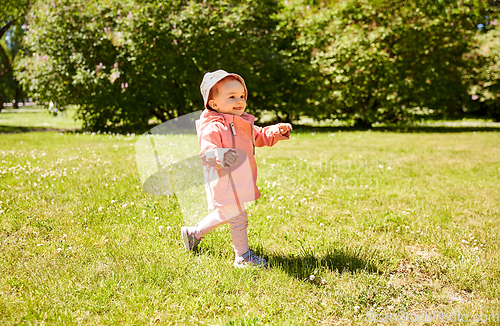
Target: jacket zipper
pixel 253 143
pixel 233 130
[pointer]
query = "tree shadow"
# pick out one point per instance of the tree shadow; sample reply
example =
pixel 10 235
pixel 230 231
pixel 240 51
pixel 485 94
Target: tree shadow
pixel 340 260
pixel 21 129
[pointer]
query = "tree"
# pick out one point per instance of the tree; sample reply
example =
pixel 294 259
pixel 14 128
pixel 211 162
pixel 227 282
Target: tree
pixel 392 61
pixel 126 62
pixel 10 17
pixel 483 75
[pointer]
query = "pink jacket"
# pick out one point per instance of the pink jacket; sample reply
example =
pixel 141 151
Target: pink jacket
pixel 215 136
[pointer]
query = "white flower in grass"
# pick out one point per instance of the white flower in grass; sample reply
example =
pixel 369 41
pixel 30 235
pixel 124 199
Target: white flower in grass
pixel 113 201
pixel 356 308
pixel 169 228
pixel 312 278
pixel 64 235
pixel 323 281
pixel 99 209
pixel 124 206
pixel 268 217
pixel 380 166
pixel 59 250
pixel 160 228
pixel 321 225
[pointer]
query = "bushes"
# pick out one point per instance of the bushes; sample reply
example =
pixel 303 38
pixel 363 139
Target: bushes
pixel 484 73
pixel 364 61
pixel 393 61
pixel 126 62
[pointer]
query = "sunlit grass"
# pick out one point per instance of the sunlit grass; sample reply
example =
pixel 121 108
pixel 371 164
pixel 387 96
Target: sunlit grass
pixel 385 222
pixel 36 117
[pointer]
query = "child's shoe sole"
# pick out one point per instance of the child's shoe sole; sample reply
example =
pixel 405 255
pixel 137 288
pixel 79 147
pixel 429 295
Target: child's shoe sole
pixel 185 239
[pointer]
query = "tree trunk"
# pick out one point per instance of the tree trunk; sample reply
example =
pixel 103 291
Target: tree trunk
pixel 8 64
pixel 495 111
pixel 16 98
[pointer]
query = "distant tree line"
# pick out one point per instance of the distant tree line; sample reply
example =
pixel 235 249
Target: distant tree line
pixel 364 61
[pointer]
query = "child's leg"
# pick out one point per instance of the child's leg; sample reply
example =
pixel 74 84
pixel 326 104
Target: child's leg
pixel 209 223
pixel 238 221
pixel 239 225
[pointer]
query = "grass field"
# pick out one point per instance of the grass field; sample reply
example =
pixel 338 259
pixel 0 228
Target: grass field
pixel 36 118
pixel 400 224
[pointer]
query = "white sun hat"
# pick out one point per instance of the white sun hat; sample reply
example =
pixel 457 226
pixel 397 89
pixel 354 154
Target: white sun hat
pixel 212 78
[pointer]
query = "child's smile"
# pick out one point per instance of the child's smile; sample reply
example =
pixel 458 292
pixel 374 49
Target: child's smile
pixel 231 98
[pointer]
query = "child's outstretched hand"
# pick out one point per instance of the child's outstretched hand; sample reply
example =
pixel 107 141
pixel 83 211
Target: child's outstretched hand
pixel 230 157
pixel 284 127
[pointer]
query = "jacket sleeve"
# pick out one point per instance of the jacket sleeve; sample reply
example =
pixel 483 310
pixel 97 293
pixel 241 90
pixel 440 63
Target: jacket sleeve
pixel 268 136
pixel 211 145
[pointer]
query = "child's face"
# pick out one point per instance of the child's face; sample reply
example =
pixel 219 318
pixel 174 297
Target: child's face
pixel 231 98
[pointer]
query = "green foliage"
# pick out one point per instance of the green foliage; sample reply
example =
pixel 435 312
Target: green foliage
pixel 11 9
pixel 392 61
pixel 485 72
pixel 7 81
pixel 363 61
pixel 9 50
pixel 126 62
pixel 11 18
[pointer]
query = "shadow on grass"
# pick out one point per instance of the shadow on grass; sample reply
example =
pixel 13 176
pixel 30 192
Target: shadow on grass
pixel 341 260
pixel 19 129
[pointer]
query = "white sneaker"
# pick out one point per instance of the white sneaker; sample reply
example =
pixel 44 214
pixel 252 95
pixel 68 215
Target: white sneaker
pixel 249 259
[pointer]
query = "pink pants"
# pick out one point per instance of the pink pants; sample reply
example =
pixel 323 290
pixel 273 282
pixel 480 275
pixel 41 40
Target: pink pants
pixel 232 215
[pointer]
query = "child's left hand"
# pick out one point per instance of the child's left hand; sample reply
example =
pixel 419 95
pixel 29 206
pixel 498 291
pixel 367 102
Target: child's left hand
pixel 284 127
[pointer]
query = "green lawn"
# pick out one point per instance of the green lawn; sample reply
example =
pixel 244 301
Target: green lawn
pixel 401 223
pixel 36 118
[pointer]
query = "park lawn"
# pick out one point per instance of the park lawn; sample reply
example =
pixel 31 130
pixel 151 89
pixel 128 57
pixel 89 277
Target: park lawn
pixel 386 222
pixel 36 117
